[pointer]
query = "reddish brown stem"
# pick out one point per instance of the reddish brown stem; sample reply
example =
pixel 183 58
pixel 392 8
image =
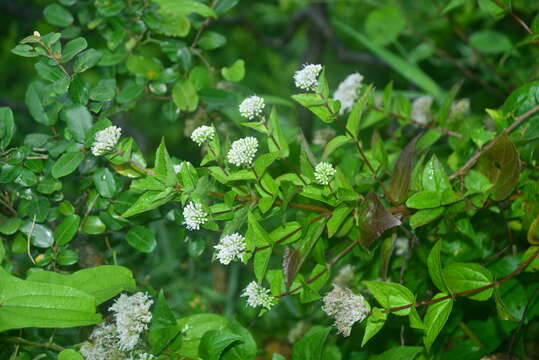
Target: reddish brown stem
pixel 521 267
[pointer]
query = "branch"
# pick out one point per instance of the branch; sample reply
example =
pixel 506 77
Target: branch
pixel 20 340
pixel 517 19
pixel 471 162
pixel 521 267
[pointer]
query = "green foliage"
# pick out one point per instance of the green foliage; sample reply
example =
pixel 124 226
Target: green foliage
pixel 130 134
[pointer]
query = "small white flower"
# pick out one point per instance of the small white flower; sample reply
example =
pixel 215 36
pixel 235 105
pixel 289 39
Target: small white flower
pixel 243 151
pixel 132 316
pixel 459 108
pixel 230 247
pixel 345 307
pixel 37 34
pixel 194 216
pixel 348 91
pixel 203 134
pixel 307 77
pixel 252 107
pixel 177 168
pixel 421 109
pixel 324 173
pixel 345 276
pixel 401 246
pixel 103 344
pixel 143 356
pixel 258 295
pixel 106 140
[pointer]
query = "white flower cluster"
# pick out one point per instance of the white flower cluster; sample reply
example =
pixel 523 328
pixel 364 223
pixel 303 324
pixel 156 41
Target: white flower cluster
pixel 258 295
pixel 106 140
pixel 120 339
pixel 401 246
pixel 345 276
pixel 243 151
pixel 252 107
pixel 348 91
pixel 459 108
pixel 421 109
pixel 194 216
pixel 345 307
pixel 203 134
pixel 230 247
pixel 307 77
pixel 132 315
pixel 324 173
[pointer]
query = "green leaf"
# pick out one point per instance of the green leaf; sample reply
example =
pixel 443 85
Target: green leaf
pixel 105 90
pixel 501 165
pixel 410 71
pixel 72 48
pixel 353 124
pixel 260 263
pixel 31 304
pixel 69 354
pixel 435 319
pixel 104 182
pixel 67 257
pixel 67 163
pixel 338 217
pixel 375 322
pixel 86 60
pixel 101 282
pixel 234 73
pixel 277 132
pixel 434 264
pixel 311 345
pixel 432 199
pixel 460 277
pixel 534 265
pixel 40 235
pixel 149 68
pixel 33 100
pixel 79 121
pixel 57 15
pixel 399 353
pixel 316 105
pixel 164 168
pixel 149 201
pixel 67 229
pixel 256 232
pixel 214 342
pixel 142 239
pixel 391 295
pixel 185 95
pixel 533 232
pixel 423 217
pixel 490 42
pixel 130 92
pixel 453 4
pixel 186 7
pixel 7 126
pixel 434 177
pixel 10 226
pixel 24 50
pixel 163 328
pixel 194 327
pixel 93 225
pixel 334 144
pixel 211 40
pixel 384 25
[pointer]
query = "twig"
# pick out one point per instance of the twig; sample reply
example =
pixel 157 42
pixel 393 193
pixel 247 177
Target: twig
pixel 20 340
pixel 471 162
pixel 29 239
pixel 521 267
pixel 517 19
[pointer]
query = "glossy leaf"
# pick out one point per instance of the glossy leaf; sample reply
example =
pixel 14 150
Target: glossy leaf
pixel 141 238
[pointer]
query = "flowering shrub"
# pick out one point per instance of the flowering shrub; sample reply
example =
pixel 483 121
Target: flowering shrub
pixel 406 221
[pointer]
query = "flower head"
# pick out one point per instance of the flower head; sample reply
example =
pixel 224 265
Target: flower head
pixel 307 77
pixel 459 108
pixel 37 34
pixel 324 173
pixel 347 92
pixel 402 245
pixel 194 216
pixel 243 151
pixel 106 140
pixel 230 247
pixel 345 307
pixel 103 344
pixel 421 109
pixel 203 134
pixel 132 316
pixel 258 295
pixel 252 107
